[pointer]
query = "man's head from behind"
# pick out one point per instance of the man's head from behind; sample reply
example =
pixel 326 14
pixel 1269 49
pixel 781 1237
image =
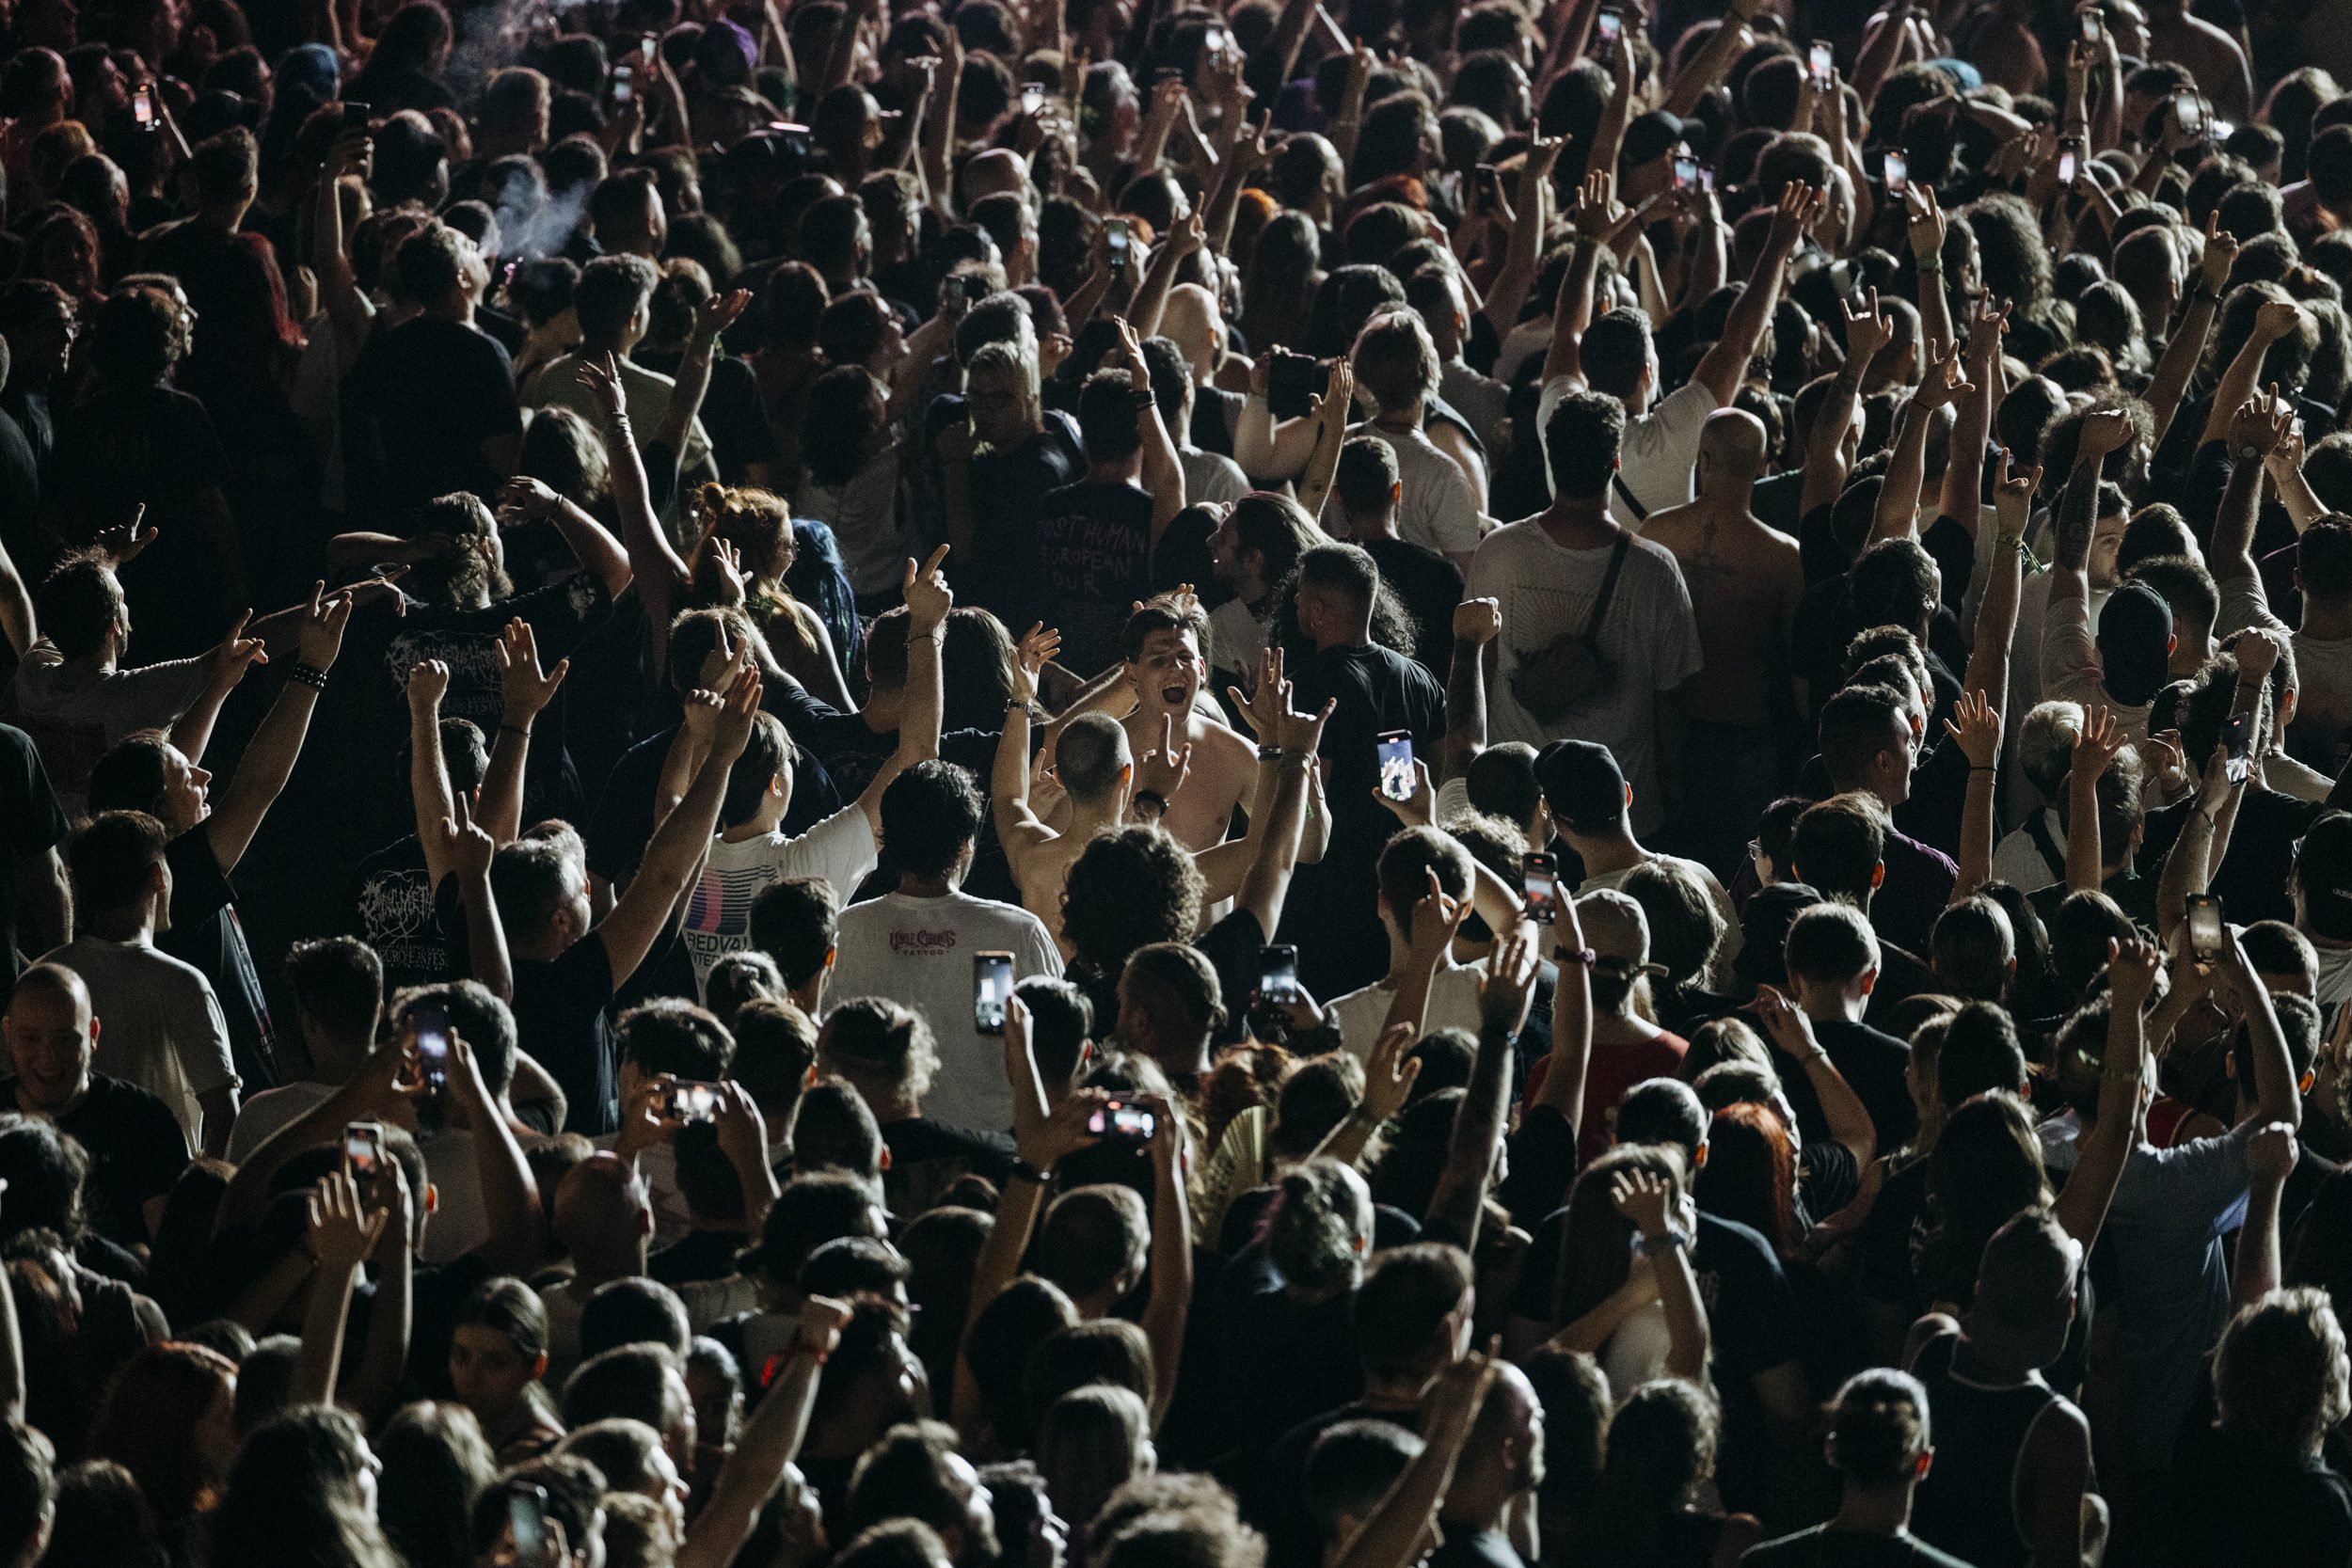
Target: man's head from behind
pixel 603 1212
pixel 930 819
pixel 1337 584
pixel 117 862
pixel 1413 1314
pixel 1128 888
pixel 1868 742
pixel 1408 864
pixel 1840 847
pixel 1368 483
pixel 612 302
pixel 2322 563
pixel 1619 358
pixel 2136 643
pixel 338 988
pixel 1833 951
pixel 1878 1437
pixel 542 890
pixel 886 1051
pixel 81 607
pixel 1732 448
pixel 795 922
pixel 1581 444
pixel 1584 788
pixel 1092 760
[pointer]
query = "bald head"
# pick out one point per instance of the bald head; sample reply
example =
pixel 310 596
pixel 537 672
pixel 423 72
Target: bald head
pixel 51 1035
pixel 1503 1455
pixel 1731 449
pixel 1092 758
pixel 997 170
pixel 1192 321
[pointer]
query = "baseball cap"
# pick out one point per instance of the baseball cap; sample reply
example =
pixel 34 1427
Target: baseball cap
pixel 1652 135
pixel 2025 1291
pixel 1617 931
pixel 1581 783
pixel 2135 643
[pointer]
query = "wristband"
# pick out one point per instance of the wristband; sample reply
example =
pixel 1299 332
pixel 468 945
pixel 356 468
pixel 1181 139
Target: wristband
pixel 1584 957
pixel 1024 1171
pixel 309 675
pixel 1675 1240
pixel 1982 768
pixel 1151 795
pixel 523 730
pixel 1269 753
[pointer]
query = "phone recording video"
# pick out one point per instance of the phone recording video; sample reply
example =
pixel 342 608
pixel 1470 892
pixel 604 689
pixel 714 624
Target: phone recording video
pixel 1032 97
pixel 691 1103
pixel 363 1152
pixel 143 108
pixel 1278 974
pixel 623 87
pixel 1823 64
pixel 1685 172
pixel 1396 766
pixel 2237 738
pixel 1898 170
pixel 991 989
pixel 1292 381
pixel 526 1522
pixel 430 1021
pixel 2206 932
pixel 1612 26
pixel 2189 110
pixel 1118 1119
pixel 1118 244
pixel 1541 878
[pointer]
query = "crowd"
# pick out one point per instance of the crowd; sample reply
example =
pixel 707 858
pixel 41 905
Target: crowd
pixel 1549 784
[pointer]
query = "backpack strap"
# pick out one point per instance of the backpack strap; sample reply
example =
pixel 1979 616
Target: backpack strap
pixel 1616 483
pixel 1608 590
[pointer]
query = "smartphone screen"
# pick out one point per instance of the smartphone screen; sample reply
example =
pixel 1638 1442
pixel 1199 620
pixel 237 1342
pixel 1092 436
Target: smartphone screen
pixel 646 47
pixel 621 87
pixel 1291 385
pixel 1823 62
pixel 694 1102
pixel 143 108
pixel 431 1022
pixel 2189 110
pixel 1490 184
pixel 1116 243
pixel 2237 741
pixel 992 987
pixel 2091 27
pixel 363 1152
pixel 1032 97
pixel 526 1522
pixel 1898 170
pixel 2067 165
pixel 1685 172
pixel 1396 766
pixel 1611 27
pixel 2205 932
pixel 1540 876
pixel 1278 973
pixel 1117 1119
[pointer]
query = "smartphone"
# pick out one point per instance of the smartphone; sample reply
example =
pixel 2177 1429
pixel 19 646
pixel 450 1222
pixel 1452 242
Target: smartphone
pixel 1898 171
pixel 2223 130
pixel 1291 385
pixel 1118 242
pixel 1706 179
pixel 1032 97
pixel 1823 61
pixel 1278 973
pixel 955 289
pixel 2205 931
pixel 1540 878
pixel 2237 738
pixel 622 89
pixel 431 1022
pixel 645 47
pixel 1396 765
pixel 1488 183
pixel 1118 1119
pixel 691 1103
pixel 795 137
pixel 526 1521
pixel 143 108
pixel 356 116
pixel 2189 110
pixel 363 1153
pixel 992 987
pixel 1611 27
pixel 1685 172
pixel 2068 165
pixel 2093 26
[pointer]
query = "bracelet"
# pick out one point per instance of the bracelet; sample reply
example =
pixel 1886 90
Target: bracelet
pixel 1982 768
pixel 1269 753
pixel 309 675
pixel 1024 1171
pixel 523 730
pixel 711 347
pixel 1675 1240
pixel 1151 795
pixel 1584 957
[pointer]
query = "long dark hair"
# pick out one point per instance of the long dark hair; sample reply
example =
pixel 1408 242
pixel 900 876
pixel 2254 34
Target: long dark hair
pixel 294 1499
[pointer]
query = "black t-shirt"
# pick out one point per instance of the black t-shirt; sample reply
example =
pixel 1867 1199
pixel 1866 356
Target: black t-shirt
pixel 697 1255
pixel 2233 1504
pixel 1431 586
pixel 20 501
pixel 927 1157
pixel 1008 491
pixel 397 914
pixel 1873 1064
pixel 563 1020
pixel 733 413
pixel 623 824
pixel 416 408
pixel 2252 880
pixel 152 446
pixel 31 823
pixel 205 932
pixel 136 1150
pixel 1095 561
pixel 1279 1504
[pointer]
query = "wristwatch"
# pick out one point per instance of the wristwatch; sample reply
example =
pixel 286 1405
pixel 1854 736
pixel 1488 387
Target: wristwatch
pixel 1152 796
pixel 1675 1240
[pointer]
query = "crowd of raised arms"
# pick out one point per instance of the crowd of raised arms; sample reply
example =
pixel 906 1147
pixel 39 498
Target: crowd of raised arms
pixel 1143 783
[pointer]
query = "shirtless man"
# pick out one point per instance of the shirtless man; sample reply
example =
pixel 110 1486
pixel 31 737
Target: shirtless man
pixel 1173 718
pixel 2211 56
pixel 1745 582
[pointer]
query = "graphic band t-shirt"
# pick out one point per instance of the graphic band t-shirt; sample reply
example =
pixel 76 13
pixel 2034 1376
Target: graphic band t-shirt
pixel 397 915
pixel 717 916
pixel 1094 560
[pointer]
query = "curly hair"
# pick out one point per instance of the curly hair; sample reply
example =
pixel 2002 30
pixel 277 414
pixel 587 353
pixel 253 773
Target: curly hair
pixel 1128 889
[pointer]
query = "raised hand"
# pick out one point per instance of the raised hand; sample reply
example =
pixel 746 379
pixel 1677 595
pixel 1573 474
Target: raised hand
pixel 343 1229
pixel 1977 726
pixel 2132 969
pixel 1945 382
pixel 1506 981
pixel 2221 257
pixel 236 653
pixel 741 705
pixel 2104 430
pixel 714 315
pixel 1389 1075
pixel 1165 767
pixel 2257 653
pixel 2260 424
pixel 1867 331
pixel 324 619
pixel 468 849
pixel 1986 326
pixel 1436 918
pixel 2270 1157
pixel 522 690
pixel 1793 219
pixel 2275 318
pixel 428 683
pixel 1062 1130
pixel 928 596
pixel 1029 660
pixel 1418 809
pixel 124 543
pixel 600 378
pixel 2012 497
pixel 1478 621
pixel 2101 737
pixel 524 496
pixel 1262 708
pixel 1786 1024
pixel 1923 220
pixel 1644 1198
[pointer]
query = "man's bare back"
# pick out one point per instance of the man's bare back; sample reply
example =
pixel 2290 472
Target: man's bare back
pixel 1745 580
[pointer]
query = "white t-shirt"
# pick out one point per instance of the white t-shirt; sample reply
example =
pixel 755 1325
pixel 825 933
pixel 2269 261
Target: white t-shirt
pixel 1358 1016
pixel 863 512
pixel 1439 511
pixel 160 1025
pixel 73 713
pixel 1658 454
pixel 718 918
pixel 2018 860
pixel 1210 478
pixel 918 952
pixel 1236 638
pixel 706 1301
pixel 2323 704
pixel 269 1113
pixel 2335 975
pixel 1650 634
pixel 459 1224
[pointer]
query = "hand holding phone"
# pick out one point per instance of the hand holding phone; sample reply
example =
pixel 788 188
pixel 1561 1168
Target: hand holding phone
pixel 1278 974
pixel 1118 1119
pixel 2237 739
pixel 1397 779
pixel 143 108
pixel 991 989
pixel 1612 28
pixel 1540 879
pixel 1292 382
pixel 2206 932
pixel 363 1155
pixel 1898 171
pixel 1823 63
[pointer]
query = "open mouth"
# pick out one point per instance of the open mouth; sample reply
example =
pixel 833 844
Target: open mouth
pixel 1176 694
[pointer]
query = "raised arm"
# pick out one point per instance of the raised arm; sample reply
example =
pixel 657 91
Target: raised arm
pixel 1572 308
pixel 1330 413
pixel 1151 298
pixel 1975 727
pixel 1165 1309
pixel 270 755
pixel 1898 514
pixel 1923 225
pixel 1476 622
pixel 1825 467
pixel 1792 1032
pixel 428 780
pixel 712 317
pixel 2257 429
pixel 2269 1161
pixel 1962 491
pixel 2095 753
pixel 928 601
pixel 2272 320
pixel 343 1232
pixel 684 837
pixel 237 652
pixel 1702 70
pixel 1531 216
pixel 770 1440
pixel 2126 1079
pixel 2277 1095
pixel 1646 1199
pixel 1506 986
pixel 1018 828
pixel 660 576
pixel 2185 349
pixel 2004 572
pixel 524 692
pixel 1397 1532
pixel 1725 364
pixel 1162 475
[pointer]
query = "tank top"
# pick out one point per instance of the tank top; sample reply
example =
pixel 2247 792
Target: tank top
pixel 1968 1505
